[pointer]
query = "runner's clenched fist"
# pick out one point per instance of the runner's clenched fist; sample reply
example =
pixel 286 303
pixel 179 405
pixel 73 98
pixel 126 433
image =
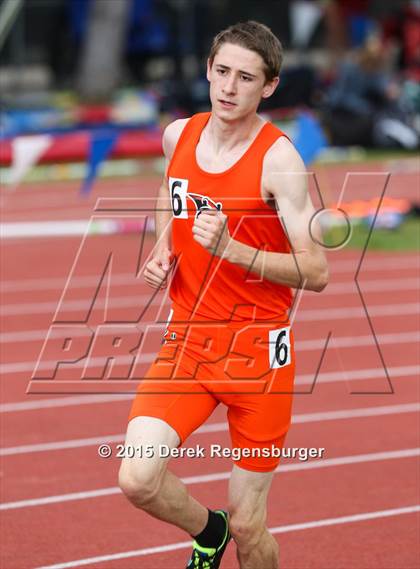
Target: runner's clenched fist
pixel 157 269
pixel 210 229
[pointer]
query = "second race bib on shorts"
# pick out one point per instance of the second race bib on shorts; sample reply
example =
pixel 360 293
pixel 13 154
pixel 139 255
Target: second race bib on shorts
pixel 279 351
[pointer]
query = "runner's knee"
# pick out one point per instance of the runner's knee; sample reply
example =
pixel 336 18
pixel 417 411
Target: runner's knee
pixel 246 527
pixel 140 481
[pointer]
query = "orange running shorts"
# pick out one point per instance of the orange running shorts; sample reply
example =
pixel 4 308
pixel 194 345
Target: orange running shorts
pixel 247 365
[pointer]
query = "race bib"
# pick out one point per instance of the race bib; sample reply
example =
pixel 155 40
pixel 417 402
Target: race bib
pixel 178 194
pixel 279 352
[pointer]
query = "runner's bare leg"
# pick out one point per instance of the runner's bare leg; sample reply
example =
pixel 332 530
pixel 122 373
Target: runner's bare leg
pixel 150 486
pixel 256 547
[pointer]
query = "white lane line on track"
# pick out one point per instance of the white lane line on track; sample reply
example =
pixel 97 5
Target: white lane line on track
pixel 328 377
pixel 57 228
pixel 325 522
pixel 127 280
pixel 62 402
pixel 353 341
pixel 359 374
pixel 302 345
pixel 219 427
pixel 346 312
pixel 217 476
pixel 31 218
pixel 148 357
pixel 395 263
pixel 18 367
pixel 85 304
pixel 69 401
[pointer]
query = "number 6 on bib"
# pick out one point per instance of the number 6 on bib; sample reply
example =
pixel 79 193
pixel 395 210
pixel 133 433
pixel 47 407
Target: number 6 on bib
pixel 279 352
pixel 178 194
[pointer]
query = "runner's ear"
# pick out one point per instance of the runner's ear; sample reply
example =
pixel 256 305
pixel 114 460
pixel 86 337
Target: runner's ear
pixel 270 87
pixel 208 69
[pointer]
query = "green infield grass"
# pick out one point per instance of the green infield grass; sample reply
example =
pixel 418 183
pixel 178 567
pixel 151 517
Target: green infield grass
pixel 404 238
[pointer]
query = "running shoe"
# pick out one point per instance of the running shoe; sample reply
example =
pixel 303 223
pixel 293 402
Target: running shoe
pixel 209 557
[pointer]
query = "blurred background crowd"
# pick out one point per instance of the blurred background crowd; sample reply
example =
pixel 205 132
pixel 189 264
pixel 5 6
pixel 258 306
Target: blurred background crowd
pixel 64 64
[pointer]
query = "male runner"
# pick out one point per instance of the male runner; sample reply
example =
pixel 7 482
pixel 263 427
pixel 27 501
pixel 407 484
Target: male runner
pixel 233 225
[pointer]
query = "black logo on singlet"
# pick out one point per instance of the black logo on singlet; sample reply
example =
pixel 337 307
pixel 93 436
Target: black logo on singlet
pixel 203 203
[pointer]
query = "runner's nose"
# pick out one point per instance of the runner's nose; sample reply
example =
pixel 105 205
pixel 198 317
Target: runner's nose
pixel 230 85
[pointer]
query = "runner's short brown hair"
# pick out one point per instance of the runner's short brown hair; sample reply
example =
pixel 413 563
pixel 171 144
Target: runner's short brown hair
pixel 255 37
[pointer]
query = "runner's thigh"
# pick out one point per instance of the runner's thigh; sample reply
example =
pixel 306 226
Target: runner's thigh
pixel 144 438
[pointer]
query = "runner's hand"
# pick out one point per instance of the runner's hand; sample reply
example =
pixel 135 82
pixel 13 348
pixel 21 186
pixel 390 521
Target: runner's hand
pixel 157 270
pixel 210 229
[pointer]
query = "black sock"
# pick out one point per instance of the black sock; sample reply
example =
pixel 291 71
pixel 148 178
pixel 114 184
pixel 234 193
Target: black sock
pixel 214 532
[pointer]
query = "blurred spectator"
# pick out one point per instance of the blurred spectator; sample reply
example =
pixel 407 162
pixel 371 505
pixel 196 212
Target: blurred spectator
pixel 364 104
pixel 348 23
pixel 344 23
pixel 403 27
pixel 402 32
pixel 149 35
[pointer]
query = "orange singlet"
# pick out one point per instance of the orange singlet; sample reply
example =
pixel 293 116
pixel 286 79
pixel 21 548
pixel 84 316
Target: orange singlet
pixel 228 339
pixel 212 288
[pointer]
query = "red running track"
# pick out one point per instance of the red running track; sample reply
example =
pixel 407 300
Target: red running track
pixel 354 508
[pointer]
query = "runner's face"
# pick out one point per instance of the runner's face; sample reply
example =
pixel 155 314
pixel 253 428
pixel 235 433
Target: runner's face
pixel 237 82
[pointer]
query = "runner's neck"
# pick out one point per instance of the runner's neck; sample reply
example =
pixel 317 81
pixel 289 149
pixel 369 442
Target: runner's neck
pixel 223 137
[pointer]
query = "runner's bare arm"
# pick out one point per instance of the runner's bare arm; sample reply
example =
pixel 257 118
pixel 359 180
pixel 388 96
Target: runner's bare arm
pixel 157 268
pixel 285 180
